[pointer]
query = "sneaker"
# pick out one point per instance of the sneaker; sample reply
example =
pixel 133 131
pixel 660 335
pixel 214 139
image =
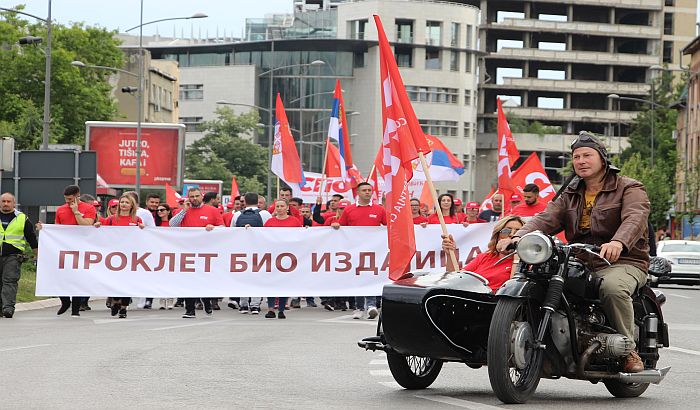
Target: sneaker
pixel 188 315
pixel 254 310
pixel 632 363
pixel 64 307
pixel 148 305
pixel 122 313
pixel 243 309
pixel 179 303
pixel 7 314
pixel 280 315
pixel 161 308
pixel 328 307
pixel 372 312
pixel 215 305
pixel 75 314
pixel 311 303
pixel 209 311
pixel 295 303
pixel 199 306
pixel 357 314
pixel 114 309
pixel 270 315
pixel 233 305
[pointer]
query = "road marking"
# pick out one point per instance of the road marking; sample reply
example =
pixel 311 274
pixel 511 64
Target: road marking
pixel 345 319
pixel 378 362
pixel 683 326
pixel 380 372
pixel 681 350
pixel 679 296
pixel 9 349
pixel 192 324
pixel 466 404
pixel 392 385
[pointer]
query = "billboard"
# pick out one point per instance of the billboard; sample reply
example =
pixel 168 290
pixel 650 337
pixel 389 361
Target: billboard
pixel 204 185
pixel 162 153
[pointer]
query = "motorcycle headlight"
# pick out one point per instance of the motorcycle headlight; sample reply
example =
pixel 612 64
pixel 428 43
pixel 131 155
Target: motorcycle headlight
pixel 534 248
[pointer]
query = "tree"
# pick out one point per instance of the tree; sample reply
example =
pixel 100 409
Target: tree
pixel 222 152
pixel 658 189
pixel 76 95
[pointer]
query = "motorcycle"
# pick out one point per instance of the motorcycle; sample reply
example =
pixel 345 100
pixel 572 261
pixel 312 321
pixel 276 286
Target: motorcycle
pixel 545 322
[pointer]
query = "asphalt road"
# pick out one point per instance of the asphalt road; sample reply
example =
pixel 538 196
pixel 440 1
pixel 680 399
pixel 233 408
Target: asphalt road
pixel 155 359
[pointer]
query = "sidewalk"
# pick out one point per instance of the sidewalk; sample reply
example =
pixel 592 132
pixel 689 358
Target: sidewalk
pixel 41 304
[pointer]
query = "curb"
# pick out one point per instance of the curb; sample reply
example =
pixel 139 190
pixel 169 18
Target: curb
pixel 38 304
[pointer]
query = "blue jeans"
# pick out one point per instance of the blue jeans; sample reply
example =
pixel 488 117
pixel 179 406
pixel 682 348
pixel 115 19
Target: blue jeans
pixel 371 301
pixel 271 303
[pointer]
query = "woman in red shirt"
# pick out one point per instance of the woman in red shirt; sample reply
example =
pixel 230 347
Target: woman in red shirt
pixel 126 216
pixel 281 219
pixel 485 263
pixel 163 215
pixel 447 205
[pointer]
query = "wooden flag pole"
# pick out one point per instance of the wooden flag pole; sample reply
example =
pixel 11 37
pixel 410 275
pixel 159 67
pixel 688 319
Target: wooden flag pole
pixel 278 188
pixel 438 209
pixel 323 170
pixel 371 171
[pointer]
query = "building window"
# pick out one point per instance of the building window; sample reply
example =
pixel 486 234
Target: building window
pixel 439 128
pixel 668 23
pixel 358 29
pixel 440 95
pixel 358 59
pixel 432 59
pixel 467 129
pixel 454 35
pixel 669 3
pixel 466 161
pixel 404 31
pixel 192 124
pixel 433 33
pixel 469 36
pixel 468 62
pixel 467 97
pixel 454 61
pixel 404 56
pixel 192 91
pixel 668 51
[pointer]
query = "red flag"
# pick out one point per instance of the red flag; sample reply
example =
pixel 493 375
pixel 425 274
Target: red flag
pixel 171 196
pixel 505 183
pixel 532 172
pixel 234 187
pixel 487 203
pixel 402 139
pixel 285 161
pixel 333 160
pixel 504 130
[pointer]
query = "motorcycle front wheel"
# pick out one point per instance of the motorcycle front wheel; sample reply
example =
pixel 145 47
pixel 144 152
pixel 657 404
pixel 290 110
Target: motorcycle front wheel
pixel 413 372
pixel 514 363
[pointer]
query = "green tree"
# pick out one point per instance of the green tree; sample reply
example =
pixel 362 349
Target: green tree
pixel 76 95
pixel 224 152
pixel 658 189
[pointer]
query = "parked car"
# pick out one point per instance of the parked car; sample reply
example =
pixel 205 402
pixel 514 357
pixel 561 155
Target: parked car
pixel 685 262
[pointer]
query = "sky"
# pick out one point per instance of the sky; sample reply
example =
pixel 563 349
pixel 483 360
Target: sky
pixel 123 14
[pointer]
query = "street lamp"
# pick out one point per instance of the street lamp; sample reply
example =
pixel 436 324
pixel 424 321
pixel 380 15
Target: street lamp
pixel 653 114
pixel 47 75
pixel 271 117
pixel 141 86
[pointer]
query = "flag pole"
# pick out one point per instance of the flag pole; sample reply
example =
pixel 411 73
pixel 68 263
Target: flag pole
pixel 371 171
pixel 323 170
pixel 278 188
pixel 438 209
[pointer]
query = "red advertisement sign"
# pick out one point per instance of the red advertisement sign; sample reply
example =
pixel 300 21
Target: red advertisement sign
pixel 115 144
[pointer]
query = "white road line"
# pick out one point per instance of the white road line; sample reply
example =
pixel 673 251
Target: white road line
pixel 192 324
pixel 466 404
pixel 681 350
pixel 392 385
pixel 9 349
pixel 378 362
pixel 679 296
pixel 380 372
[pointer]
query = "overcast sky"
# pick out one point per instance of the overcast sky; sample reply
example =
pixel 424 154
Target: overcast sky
pixel 123 14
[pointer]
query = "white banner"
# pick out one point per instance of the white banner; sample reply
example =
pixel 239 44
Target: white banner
pixel 310 191
pixel 191 262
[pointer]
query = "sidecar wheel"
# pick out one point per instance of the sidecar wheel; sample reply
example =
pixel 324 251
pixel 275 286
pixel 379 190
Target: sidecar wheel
pixel 413 372
pixel 514 364
pixel 624 390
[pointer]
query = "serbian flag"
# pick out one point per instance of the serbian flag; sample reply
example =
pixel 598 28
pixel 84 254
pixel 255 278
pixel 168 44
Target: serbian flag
pixel 444 166
pixel 338 131
pixel 504 130
pixel 285 158
pixel 532 172
pixel 402 139
pixel 234 187
pixel 334 162
pixel 171 196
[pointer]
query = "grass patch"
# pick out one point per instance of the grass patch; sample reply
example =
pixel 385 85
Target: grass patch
pixel 27 283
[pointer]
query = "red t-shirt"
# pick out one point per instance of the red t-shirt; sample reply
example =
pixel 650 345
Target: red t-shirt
pixel 527 210
pixel 329 220
pixel 119 220
pixel 433 219
pixel 288 222
pixel 419 220
pixel 65 216
pixel 483 264
pixel 367 215
pixel 201 217
pixel 227 218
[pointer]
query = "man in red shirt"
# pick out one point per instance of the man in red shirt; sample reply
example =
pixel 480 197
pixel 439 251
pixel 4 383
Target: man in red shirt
pixel 74 212
pixel 418 218
pixel 473 213
pixel 228 216
pixel 196 214
pixel 532 205
pixel 515 200
pixel 363 213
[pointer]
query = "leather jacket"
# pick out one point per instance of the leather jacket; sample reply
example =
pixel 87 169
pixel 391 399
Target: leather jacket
pixel 620 212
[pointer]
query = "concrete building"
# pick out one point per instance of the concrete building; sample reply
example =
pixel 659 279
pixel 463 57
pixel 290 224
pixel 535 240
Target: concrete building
pixel 160 99
pixel 436 49
pixel 558 61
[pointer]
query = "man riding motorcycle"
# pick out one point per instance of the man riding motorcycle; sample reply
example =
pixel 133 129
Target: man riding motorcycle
pixel 602 208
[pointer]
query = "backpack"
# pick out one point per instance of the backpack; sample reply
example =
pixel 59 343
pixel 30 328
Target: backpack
pixel 249 217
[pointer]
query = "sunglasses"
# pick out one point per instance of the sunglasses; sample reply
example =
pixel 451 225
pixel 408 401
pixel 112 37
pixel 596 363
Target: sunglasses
pixel 161 209
pixel 114 206
pixel 506 231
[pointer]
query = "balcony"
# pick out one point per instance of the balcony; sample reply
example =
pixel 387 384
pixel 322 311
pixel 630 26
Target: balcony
pixel 573 27
pixel 549 114
pixel 404 38
pixel 628 4
pixel 583 57
pixel 571 86
pixel 547 142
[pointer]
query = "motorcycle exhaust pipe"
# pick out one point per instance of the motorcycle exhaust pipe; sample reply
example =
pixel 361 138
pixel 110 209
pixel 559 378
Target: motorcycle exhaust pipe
pixel 654 376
